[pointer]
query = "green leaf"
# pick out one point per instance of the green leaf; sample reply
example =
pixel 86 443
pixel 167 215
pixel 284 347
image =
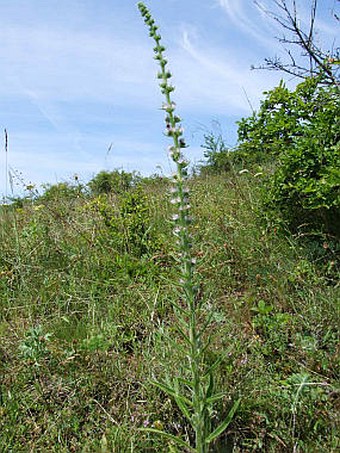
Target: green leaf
pixel 216 363
pixel 210 388
pixel 206 324
pixel 176 439
pixel 186 382
pixel 224 425
pixel 183 407
pixel 216 397
pixel 172 392
pixel 183 334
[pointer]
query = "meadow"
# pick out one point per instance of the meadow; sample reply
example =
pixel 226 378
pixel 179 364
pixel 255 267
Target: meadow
pixel 86 315
pixel 198 313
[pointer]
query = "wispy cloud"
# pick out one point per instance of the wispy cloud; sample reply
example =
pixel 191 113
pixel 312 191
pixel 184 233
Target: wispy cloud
pixel 78 75
pixel 58 64
pixel 243 16
pixel 216 79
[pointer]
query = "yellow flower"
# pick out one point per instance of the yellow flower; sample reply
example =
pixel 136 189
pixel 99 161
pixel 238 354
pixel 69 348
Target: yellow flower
pixel 158 425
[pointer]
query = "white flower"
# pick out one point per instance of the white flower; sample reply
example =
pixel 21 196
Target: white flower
pixel 169 107
pixel 177 230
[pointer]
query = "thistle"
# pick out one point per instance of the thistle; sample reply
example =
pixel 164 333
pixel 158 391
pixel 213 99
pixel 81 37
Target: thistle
pixel 195 397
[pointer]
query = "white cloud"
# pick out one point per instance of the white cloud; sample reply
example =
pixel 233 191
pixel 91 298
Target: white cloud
pixel 60 64
pixel 215 80
pixel 243 16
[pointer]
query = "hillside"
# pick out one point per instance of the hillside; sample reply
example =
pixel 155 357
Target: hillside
pixel 87 286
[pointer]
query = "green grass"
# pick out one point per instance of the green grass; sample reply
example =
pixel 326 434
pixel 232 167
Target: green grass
pixel 86 315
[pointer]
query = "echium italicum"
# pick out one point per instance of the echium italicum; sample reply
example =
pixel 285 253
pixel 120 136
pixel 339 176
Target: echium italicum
pixel 180 190
pixel 196 398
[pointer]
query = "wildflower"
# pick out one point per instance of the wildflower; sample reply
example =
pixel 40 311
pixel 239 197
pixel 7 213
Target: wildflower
pixel 177 230
pixel 184 208
pixel 39 207
pixel 158 425
pixel 182 162
pixel 182 143
pixel 164 75
pixel 173 131
pixel 169 107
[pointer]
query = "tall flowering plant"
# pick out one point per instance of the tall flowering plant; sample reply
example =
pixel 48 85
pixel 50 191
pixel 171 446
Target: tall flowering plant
pixel 195 397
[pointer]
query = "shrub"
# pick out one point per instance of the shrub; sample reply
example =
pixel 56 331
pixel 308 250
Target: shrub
pixel 61 190
pixel 218 155
pixel 283 116
pixel 116 181
pixel 305 186
pixel 298 132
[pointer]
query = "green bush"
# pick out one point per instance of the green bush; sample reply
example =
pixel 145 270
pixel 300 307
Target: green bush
pixel 61 190
pixel 127 218
pixel 217 154
pixel 297 133
pixel 283 116
pixel 115 181
pixel 305 186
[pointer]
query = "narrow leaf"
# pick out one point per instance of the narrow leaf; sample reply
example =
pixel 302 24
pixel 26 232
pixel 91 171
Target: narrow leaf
pixel 182 310
pixel 186 382
pixel 172 392
pixel 205 325
pixel 216 363
pixel 176 439
pixel 210 388
pixel 183 407
pixel 224 425
pixel 216 397
pixel 183 335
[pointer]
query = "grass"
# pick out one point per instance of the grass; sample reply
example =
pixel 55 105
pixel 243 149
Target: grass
pixel 116 338
pixel 85 323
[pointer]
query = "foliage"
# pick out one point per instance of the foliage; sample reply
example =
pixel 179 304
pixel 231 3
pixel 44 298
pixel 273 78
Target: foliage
pixel 98 320
pixel 61 190
pixel 128 221
pixel 33 347
pixel 298 131
pixel 95 301
pixel 218 156
pixel 283 115
pixel 306 184
pixel 116 181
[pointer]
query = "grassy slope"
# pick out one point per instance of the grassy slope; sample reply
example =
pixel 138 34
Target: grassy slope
pixel 85 291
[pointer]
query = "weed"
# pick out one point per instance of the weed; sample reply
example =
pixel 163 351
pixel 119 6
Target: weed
pixel 195 395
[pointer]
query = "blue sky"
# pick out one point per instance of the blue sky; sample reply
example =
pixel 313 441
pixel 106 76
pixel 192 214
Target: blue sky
pixel 78 90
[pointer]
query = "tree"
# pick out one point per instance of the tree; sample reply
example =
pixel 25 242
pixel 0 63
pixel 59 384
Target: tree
pixel 298 133
pixel 305 57
pixel 282 116
pixel 116 181
pixel 305 186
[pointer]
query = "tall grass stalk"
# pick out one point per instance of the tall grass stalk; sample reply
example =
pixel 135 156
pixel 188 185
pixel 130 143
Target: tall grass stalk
pixel 6 165
pixel 195 396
